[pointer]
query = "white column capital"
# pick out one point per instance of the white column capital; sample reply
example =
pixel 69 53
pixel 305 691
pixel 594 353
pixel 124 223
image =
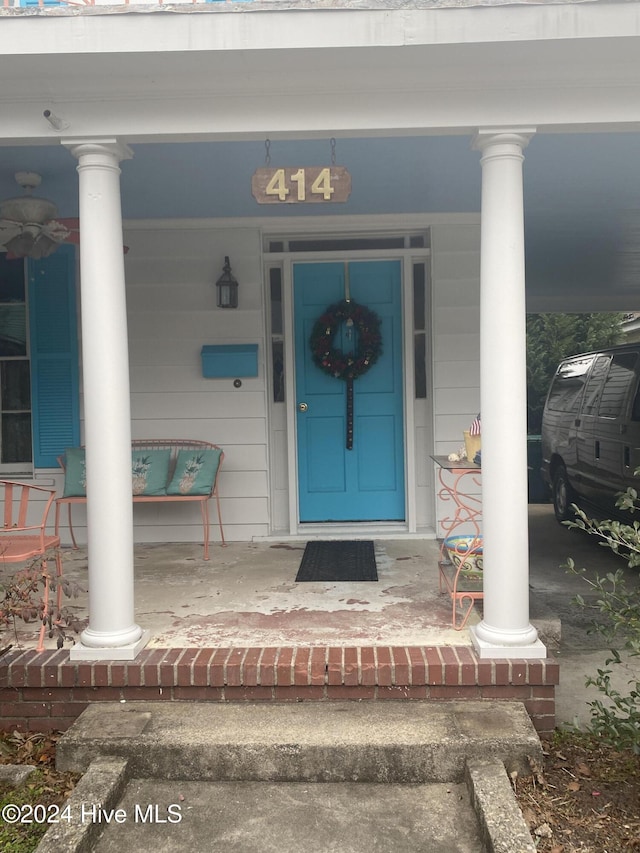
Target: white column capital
pixel 100 151
pixel 509 137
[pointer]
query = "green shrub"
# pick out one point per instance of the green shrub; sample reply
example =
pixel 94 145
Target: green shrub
pixel 616 720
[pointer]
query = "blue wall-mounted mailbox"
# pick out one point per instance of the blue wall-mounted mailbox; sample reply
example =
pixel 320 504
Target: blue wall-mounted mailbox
pixel 229 360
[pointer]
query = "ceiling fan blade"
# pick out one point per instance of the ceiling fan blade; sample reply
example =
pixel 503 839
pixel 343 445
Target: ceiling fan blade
pixel 55 231
pixel 8 227
pixel 73 225
pixel 64 230
pixel 8 230
pixel 73 237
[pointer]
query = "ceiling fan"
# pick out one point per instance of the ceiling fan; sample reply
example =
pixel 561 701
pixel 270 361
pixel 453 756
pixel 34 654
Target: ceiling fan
pixel 28 224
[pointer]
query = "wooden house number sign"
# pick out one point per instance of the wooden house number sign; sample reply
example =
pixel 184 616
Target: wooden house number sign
pixel 301 185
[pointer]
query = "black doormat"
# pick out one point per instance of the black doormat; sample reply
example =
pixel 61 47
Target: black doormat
pixel 338 561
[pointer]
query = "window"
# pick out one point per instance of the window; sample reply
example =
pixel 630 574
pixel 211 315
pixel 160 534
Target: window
pixel 277 334
pixel 15 377
pixel 593 389
pixel 566 390
pixel 39 400
pixel 342 243
pixel 616 387
pixel 420 298
pixel 635 409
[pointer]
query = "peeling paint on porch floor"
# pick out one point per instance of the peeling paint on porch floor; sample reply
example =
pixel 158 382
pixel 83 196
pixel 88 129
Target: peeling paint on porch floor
pixel 246 595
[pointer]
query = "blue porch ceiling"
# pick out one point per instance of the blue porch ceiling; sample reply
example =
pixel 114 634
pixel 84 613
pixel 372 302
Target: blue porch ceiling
pixel 580 191
pixel 213 179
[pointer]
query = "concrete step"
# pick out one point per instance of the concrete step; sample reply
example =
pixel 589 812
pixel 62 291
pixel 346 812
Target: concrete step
pixel 393 742
pixel 267 778
pixel 291 817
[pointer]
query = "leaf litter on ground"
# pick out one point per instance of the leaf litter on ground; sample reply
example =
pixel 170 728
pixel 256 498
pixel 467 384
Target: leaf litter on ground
pixel 585 798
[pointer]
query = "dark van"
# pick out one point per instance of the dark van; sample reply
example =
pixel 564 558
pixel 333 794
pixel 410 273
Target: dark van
pixel 591 429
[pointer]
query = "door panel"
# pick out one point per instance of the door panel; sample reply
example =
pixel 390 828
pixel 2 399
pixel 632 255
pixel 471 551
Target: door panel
pixel 376 470
pixel 367 482
pixel 325 466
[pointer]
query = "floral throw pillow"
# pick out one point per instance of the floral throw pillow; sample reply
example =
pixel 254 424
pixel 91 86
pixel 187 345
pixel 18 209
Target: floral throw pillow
pixel 75 473
pixel 149 471
pixel 195 472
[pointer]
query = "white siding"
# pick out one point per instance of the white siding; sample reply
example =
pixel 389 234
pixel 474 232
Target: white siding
pixel 171 301
pixel 172 313
pixel 456 338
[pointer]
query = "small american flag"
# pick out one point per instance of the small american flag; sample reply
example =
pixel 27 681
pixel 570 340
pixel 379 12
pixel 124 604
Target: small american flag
pixel 474 429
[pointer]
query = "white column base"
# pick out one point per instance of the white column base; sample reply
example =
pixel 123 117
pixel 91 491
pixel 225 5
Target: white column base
pixel 535 650
pixel 129 651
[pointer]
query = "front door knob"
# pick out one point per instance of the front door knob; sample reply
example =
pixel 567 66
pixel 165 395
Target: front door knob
pixel 302 407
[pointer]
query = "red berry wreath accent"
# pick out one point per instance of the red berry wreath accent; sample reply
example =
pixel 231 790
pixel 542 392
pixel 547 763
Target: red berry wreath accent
pixel 368 340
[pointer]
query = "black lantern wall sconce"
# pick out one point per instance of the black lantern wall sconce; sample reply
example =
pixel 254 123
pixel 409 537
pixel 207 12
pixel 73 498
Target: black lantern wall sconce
pixel 227 287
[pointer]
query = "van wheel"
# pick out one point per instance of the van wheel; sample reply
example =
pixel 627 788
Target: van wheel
pixel 562 494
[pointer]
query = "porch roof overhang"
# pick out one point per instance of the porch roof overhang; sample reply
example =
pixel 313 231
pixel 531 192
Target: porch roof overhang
pixel 423 76
pixel 215 73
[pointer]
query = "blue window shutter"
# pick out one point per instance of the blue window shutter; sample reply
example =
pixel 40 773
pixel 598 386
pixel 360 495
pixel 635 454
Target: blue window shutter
pixel 54 355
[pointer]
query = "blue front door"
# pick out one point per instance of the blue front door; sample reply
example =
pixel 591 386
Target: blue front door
pixel 366 482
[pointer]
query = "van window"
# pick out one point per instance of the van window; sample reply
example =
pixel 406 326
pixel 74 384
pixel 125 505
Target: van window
pixel 635 409
pixel 566 390
pixel 616 387
pixel 593 389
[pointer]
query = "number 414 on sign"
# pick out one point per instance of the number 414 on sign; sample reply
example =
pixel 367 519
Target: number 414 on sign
pixel 290 185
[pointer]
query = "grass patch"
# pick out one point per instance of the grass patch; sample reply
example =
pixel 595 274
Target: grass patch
pixel 45 788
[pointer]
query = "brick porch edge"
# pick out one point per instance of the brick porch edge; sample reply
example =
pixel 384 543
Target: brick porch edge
pixel 45 692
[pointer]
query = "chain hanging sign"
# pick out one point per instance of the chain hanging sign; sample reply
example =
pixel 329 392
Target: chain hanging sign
pixel 301 184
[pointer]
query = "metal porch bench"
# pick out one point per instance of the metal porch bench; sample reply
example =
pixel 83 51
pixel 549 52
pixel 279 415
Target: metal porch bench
pixel 163 470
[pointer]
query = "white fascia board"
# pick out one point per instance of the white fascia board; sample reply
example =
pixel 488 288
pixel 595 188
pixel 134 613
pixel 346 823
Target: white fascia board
pixel 146 29
pixel 164 76
pixel 159 116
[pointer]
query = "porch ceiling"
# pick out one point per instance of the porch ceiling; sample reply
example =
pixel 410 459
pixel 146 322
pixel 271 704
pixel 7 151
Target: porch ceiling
pixel 582 196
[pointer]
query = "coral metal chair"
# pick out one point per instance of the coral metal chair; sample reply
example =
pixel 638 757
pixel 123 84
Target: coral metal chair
pixel 21 541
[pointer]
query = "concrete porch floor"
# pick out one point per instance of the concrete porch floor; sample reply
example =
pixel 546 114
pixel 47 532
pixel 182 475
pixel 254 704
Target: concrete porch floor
pixel 246 595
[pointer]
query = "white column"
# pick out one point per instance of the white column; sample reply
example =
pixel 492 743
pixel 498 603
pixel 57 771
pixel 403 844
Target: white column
pixel 112 632
pixel 505 630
